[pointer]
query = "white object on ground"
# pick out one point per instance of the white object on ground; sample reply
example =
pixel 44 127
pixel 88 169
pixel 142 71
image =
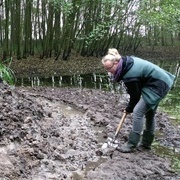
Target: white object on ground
pixel 111 143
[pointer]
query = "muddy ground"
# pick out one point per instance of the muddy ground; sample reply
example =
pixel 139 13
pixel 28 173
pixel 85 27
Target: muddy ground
pixel 57 133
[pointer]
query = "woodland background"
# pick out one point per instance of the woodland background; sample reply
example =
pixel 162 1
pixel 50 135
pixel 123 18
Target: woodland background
pixel 61 28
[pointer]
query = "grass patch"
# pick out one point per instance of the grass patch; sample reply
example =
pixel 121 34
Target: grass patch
pixel 6 73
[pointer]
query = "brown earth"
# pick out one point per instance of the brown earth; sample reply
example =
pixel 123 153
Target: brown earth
pixel 57 133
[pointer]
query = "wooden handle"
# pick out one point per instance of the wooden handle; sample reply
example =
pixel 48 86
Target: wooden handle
pixel 120 123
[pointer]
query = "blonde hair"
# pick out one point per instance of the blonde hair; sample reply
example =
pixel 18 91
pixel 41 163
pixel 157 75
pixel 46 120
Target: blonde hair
pixel 112 55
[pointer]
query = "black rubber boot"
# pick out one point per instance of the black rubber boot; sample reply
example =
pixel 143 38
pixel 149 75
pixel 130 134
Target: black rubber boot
pixel 131 144
pixel 147 140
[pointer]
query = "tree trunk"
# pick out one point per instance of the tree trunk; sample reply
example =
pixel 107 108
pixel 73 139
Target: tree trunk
pixel 18 28
pixel 27 30
pixel 6 40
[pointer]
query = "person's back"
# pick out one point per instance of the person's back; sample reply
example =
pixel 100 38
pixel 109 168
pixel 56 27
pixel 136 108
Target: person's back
pixel 154 82
pixel 146 70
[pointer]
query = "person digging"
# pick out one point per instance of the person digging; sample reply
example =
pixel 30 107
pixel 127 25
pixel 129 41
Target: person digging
pixel 147 84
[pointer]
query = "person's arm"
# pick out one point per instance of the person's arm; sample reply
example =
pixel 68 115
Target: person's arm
pixel 134 90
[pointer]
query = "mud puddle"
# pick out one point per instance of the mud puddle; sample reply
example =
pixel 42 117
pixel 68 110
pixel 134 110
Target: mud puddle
pixel 78 126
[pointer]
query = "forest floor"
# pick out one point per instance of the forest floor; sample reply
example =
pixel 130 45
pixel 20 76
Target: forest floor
pixel 57 133
pixel 33 66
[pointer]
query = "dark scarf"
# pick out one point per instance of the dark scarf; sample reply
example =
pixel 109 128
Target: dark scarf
pixel 118 71
pixel 124 65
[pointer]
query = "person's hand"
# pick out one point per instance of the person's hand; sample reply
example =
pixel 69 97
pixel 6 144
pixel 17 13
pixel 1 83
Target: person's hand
pixel 129 109
pixel 126 112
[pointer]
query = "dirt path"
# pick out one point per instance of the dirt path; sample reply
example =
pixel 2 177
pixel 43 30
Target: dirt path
pixel 57 133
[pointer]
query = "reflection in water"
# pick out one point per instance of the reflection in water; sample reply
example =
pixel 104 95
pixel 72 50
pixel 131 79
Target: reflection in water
pixel 95 81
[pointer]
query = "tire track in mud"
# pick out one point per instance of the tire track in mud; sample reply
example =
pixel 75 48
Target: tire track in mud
pixel 75 145
pixel 71 142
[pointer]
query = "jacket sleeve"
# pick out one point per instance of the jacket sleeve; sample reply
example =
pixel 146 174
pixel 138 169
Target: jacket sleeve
pixel 134 90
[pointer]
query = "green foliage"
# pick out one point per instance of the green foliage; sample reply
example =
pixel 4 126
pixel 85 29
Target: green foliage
pixel 96 34
pixel 167 105
pixel 88 27
pixel 65 7
pixel 164 13
pixel 6 74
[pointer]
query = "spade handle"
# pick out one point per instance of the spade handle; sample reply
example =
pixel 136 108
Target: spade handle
pixel 120 124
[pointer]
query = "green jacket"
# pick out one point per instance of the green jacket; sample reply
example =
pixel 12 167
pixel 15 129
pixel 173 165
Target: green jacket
pixel 143 78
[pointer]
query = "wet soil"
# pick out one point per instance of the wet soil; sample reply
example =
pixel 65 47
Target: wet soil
pixel 57 133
